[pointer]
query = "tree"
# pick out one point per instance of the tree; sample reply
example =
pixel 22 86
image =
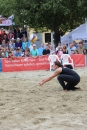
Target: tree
pixel 56 15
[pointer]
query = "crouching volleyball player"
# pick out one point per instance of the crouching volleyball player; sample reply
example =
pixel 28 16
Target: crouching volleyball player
pixel 67 78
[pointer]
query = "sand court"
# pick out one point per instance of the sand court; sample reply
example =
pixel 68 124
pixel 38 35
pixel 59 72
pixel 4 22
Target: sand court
pixel 24 105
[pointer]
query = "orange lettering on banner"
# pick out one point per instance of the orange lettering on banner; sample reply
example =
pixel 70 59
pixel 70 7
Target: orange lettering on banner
pixel 23 64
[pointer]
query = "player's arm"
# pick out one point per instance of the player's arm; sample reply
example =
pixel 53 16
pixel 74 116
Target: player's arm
pixel 51 77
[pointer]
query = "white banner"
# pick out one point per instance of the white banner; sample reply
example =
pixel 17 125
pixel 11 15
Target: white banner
pixel 6 22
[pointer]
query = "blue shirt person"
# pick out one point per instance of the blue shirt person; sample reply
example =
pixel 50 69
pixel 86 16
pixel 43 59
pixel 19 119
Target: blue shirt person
pixel 40 50
pixel 34 51
pixel 25 44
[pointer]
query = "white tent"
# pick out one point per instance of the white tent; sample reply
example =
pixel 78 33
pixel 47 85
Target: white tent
pixel 77 34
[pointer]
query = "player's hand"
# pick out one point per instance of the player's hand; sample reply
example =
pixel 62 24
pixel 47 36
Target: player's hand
pixel 41 83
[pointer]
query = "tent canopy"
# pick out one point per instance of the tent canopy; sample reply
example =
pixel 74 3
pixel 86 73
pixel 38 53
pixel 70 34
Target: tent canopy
pixel 77 34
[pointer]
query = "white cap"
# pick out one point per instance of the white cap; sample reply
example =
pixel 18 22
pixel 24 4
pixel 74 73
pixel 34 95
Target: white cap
pixel 34 45
pixel 12 39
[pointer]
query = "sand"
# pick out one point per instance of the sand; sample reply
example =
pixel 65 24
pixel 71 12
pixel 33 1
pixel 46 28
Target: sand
pixel 24 105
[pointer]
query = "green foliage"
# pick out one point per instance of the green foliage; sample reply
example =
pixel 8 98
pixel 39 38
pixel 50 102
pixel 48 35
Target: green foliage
pixel 56 15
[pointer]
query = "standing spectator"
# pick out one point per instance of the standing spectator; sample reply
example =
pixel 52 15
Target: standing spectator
pixel 80 48
pixel 34 51
pixel 73 46
pixel 18 43
pixel 10 35
pixel 46 51
pixel 25 44
pixel 23 31
pixel 40 49
pixel 16 33
pixel 51 49
pixel 6 38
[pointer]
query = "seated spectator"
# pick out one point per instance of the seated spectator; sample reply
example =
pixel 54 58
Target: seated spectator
pixel 40 50
pixel 31 46
pixel 80 48
pixel 18 52
pixel 2 54
pixel 34 51
pixel 4 44
pixel 26 53
pixel 59 44
pixel 18 43
pixel 46 51
pixel 5 37
pixel 6 52
pixel 65 51
pixel 10 56
pixel 85 52
pixel 72 51
pixel 25 44
pixel 12 44
pixel 70 48
pixel 76 52
pixel 60 51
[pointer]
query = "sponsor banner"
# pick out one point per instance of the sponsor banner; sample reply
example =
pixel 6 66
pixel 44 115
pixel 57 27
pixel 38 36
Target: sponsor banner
pixel 23 64
pixel 79 60
pixel 6 22
pixel 0 64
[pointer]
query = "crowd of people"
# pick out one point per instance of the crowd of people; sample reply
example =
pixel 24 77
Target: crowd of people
pixel 14 43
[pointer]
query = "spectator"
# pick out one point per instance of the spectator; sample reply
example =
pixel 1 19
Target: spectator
pixel 5 37
pixel 73 46
pixel 18 43
pixel 46 51
pixel 12 44
pixel 10 35
pixel 31 46
pixel 80 48
pixel 51 49
pixel 69 49
pixel 76 52
pixel 65 51
pixel 25 44
pixel 10 55
pixel 16 33
pixel 40 50
pixel 18 52
pixel 34 51
pixel 60 51
pixel 23 31
pixel 4 45
pixel 72 51
pixel 59 44
pixel 26 53
pixel 85 52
